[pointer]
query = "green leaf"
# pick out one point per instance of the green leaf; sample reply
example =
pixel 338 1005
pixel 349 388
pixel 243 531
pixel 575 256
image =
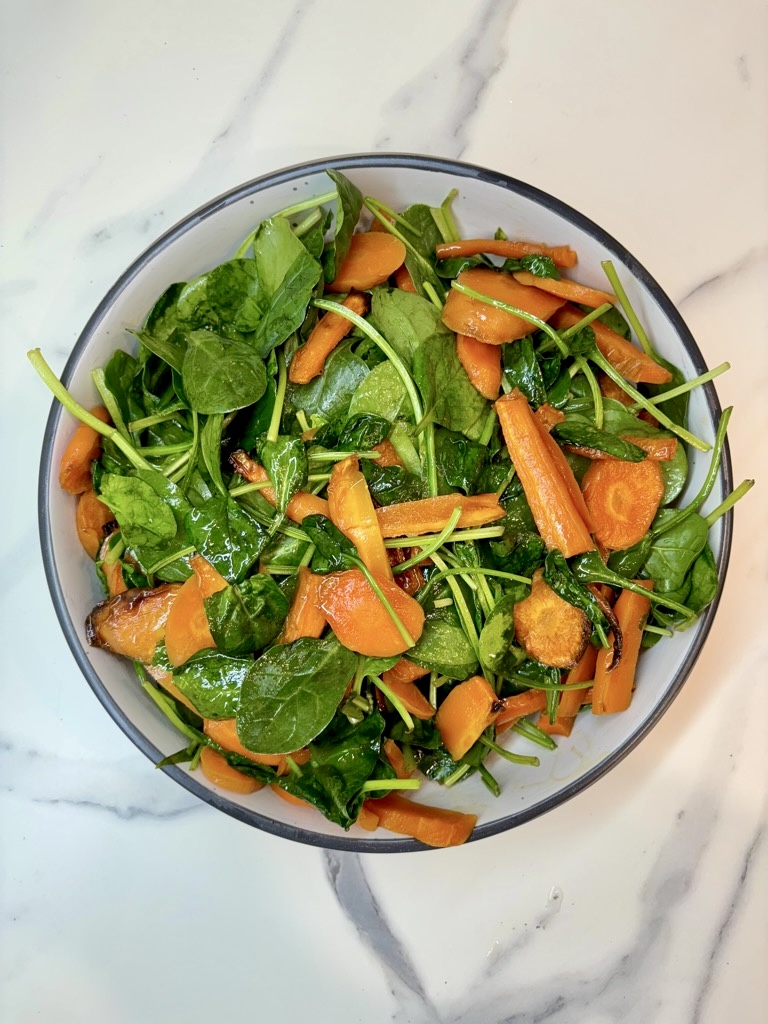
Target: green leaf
pixel 443 647
pixel 285 461
pixel 423 238
pixel 146 520
pixel 161 332
pixel 246 617
pixel 332 549
pixel 212 681
pixel 329 395
pixel 275 249
pixel 291 694
pixel 583 436
pixel 288 306
pixel 382 394
pixel 459 462
pixel 446 389
pixel 497 636
pixel 704 581
pixel 539 266
pixel 228 299
pixel 221 375
pixel 227 535
pixel 673 553
pixel 348 207
pixel 522 371
pixel 406 320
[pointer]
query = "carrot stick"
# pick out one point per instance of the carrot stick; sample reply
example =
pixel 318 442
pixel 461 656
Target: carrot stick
pixel 571 700
pixel 309 361
pixel 394 755
pixel 565 472
pixel 304 617
pixel 429 515
pixel 625 357
pixel 83 448
pixel 482 364
pixel 561 255
pixel 622 498
pixel 564 289
pixel 216 769
pixel 91 516
pixel 659 449
pixel 301 504
pixel 351 509
pixel 484 322
pixel 554 511
pixel 432 826
pixel 367 818
pixel 469 708
pixel 548 416
pixel 403 279
pixel 519 706
pixel 410 696
pixel 372 258
pixel 612 688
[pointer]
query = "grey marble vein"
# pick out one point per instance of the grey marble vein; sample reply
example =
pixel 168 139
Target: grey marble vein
pixel 724 276
pixel 348 881
pixel 433 111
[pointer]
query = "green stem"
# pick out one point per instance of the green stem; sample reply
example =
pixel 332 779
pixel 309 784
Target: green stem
pixel 309 222
pixel 443 218
pixel 621 295
pixel 474 533
pixel 314 456
pixel 165 704
pixel 277 411
pixel 689 385
pixel 490 423
pixel 730 501
pixel 396 703
pixel 50 379
pixel 534 734
pixel 181 553
pixel 586 320
pixel 508 755
pixel 110 402
pixel 435 543
pixel 433 297
pixel 237 492
pixel 372 785
pixel 456 776
pixel 150 421
pixel 462 609
pixel 469 569
pixel 407 638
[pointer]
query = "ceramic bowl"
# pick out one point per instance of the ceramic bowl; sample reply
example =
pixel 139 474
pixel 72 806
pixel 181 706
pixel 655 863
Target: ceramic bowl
pixel 486 199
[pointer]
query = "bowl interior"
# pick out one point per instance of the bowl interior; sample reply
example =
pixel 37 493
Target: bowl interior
pixel 485 201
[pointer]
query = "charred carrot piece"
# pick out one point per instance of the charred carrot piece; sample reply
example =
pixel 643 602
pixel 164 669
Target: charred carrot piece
pixel 482 364
pixel 564 289
pixel 561 255
pixel 83 448
pixel 612 688
pixel 429 515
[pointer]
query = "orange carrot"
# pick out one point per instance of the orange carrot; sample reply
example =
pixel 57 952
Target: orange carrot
pixel 429 515
pixel 388 455
pixel 658 449
pixel 132 623
pixel 548 416
pixel 360 620
pixel 216 769
pixel 432 826
pixel 404 672
pixel 367 818
pixel 224 732
pixel 187 630
pixel 564 289
pixel 519 706
pixel 403 280
pixel 548 628
pixel 571 700
pixel 372 258
pixel 309 361
pixel 289 797
pixel 564 470
pixel 351 510
pixel 561 255
pixel 554 511
pixel 485 323
pixel 409 695
pixel 394 755
pixel 304 617
pixel 83 448
pixel 468 709
pixel 91 516
pixel 211 581
pixel 612 688
pixel 622 498
pixel 630 361
pixel 301 504
pixel 482 364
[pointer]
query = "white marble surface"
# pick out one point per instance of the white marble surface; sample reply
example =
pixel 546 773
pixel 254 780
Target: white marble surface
pixel 125 901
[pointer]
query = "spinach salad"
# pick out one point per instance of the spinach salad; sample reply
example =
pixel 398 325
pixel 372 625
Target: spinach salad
pixel 372 504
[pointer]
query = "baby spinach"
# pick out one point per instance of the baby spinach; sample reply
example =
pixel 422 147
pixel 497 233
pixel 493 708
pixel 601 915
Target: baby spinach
pixel 539 266
pixel 348 206
pixel 406 320
pixel 228 299
pixel 673 553
pixel 497 649
pixel 444 648
pixel 247 616
pixel 212 680
pixel 522 371
pixel 582 435
pixel 392 484
pixel 332 549
pixel 288 306
pixel 220 375
pixel 382 394
pixel 445 387
pixel 328 396
pixel 227 535
pixel 285 461
pixel 291 694
pixel 459 462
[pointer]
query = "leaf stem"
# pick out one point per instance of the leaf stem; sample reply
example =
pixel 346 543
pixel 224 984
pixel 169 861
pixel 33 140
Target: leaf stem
pixel 277 411
pixel 689 385
pixel 471 533
pixel 508 755
pixel 433 545
pixel 626 305
pixel 396 703
pixel 729 502
pixel 372 785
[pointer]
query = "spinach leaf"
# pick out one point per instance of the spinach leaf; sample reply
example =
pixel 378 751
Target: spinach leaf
pixel 314 239
pixel 291 694
pixel 630 561
pixel 451 268
pixel 559 577
pixel 459 462
pixel 583 436
pixel 332 549
pixel 275 248
pixel 675 408
pixel 446 389
pixel 246 617
pixel 348 207
pixel 703 580
pixel 423 237
pixel 227 535
pixel 220 375
pixel 144 518
pixel 443 647
pixel 382 393
pixel 328 396
pixel 288 306
pixel 539 266
pixel 161 333
pixel 210 449
pixel 674 472
pixel 673 552
pixel 391 484
pixel 212 681
pixel 497 637
pixel 285 461
pixel 362 432
pixel 227 299
pixel 613 319
pixel 406 320
pixel 522 371
pixel 119 375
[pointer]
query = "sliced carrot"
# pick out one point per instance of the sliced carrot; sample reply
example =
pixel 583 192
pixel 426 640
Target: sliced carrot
pixel 410 696
pixel 565 472
pixel 622 498
pixel 388 454
pixel 548 416
pixel 309 360
pixel 404 672
pixel 394 755
pixel 372 258
pixel 301 504
pixel 367 818
pixel 554 511
pixel 91 516
pixel 289 797
pixel 83 448
pixel 519 706
pixel 211 581
pixel 187 630
pixel 484 322
pixel 571 700
pixel 564 289
pixel 561 255
pixel 610 389
pixel 165 679
pixel 429 515
pixel 216 769
pixel 304 616
pixel 630 361
pixel 132 623
pixel 658 449
pixel 482 364
pixel 469 708
pixel 113 577
pixel 351 510
pixel 432 826
pixel 359 619
pixel 403 280
pixel 224 732
pixel 612 688
pixel 549 629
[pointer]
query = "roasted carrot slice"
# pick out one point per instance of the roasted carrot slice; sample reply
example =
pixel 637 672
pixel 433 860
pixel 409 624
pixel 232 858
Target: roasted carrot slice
pixel 571 700
pixel 482 364
pixel 301 504
pixel 360 620
pixel 630 361
pixel 561 255
pixel 612 688
pixel 330 329
pixel 83 448
pixel 187 630
pixel 304 616
pixel 372 258
pixel 484 322
pixel 403 280
pixel 468 709
pixel 216 769
pixel 91 516
pixel 394 755
pixel 519 706
pixel 564 289
pixel 432 826
pixel 367 819
pixel 554 510
pixel 404 672
pixel 429 515
pixel 411 697
pixel 132 623
pixel 351 509
pixel 622 498
pixel 388 455
pixel 549 629
pixel 289 798
pixel 548 416
pixel 224 732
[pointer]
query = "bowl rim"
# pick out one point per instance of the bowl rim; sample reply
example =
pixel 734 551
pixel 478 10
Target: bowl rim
pixel 352 161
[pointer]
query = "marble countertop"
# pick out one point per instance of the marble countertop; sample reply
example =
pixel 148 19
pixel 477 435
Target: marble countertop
pixel 124 900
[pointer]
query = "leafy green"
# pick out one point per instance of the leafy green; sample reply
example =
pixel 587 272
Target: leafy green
pixel 212 680
pixel 228 299
pixel 522 371
pixel 382 394
pixel 227 535
pixel 328 396
pixel 443 647
pixel 582 435
pixel 332 549
pixel 448 394
pixel 246 617
pixel 348 207
pixel 221 375
pixel 285 461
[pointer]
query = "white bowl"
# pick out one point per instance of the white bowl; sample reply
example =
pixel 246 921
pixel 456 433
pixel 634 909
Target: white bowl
pixel 210 235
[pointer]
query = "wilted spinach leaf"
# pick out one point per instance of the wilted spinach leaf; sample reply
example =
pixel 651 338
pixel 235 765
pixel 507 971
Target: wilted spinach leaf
pixel 443 647
pixel 246 617
pixel 332 549
pixel 212 681
pixel 285 461
pixel 348 207
pixel 227 299
pixel 221 375
pixel 227 535
pixel 446 389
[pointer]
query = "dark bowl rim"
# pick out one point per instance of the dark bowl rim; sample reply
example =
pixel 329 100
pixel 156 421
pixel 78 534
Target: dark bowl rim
pixel 290 173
